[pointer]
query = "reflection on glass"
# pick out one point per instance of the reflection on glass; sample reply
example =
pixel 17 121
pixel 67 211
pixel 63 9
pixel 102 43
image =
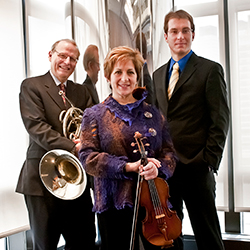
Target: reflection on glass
pixel 128 8
pixel 126 20
pixel 127 17
pixel 91 28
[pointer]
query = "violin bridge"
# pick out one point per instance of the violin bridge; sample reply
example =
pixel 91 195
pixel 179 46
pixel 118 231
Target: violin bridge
pixel 159 216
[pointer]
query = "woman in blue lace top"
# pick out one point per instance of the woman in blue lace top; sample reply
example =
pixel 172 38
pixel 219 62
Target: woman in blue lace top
pixel 106 153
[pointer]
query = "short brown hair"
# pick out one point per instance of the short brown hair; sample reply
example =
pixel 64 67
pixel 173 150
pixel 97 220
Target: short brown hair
pixel 179 14
pixel 53 47
pixel 123 53
pixel 89 56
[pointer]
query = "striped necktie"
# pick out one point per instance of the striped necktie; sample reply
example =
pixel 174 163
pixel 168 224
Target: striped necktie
pixel 62 88
pixel 173 79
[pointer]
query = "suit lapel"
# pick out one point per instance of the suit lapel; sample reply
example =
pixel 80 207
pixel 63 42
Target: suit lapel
pixel 53 91
pixel 189 69
pixel 70 93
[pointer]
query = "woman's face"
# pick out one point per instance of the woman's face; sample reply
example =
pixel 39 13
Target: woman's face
pixel 123 79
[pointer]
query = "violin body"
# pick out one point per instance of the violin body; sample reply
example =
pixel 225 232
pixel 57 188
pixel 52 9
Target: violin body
pixel 161 225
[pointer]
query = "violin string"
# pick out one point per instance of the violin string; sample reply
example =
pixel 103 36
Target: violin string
pixel 155 198
pixel 152 193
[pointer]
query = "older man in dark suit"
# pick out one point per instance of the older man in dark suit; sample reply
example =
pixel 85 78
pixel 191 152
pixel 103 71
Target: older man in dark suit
pixel 41 105
pixel 194 101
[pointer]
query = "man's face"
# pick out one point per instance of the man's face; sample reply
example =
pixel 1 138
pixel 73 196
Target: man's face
pixel 179 37
pixel 63 60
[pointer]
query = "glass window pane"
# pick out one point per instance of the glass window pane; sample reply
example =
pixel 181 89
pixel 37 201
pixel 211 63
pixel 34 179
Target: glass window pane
pixel 48 21
pixel 2 244
pixel 241 111
pixel 206 41
pixel 186 224
pixel 13 213
pixel 245 222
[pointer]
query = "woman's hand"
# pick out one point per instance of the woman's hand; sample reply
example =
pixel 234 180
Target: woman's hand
pixel 133 166
pixel 78 145
pixel 150 171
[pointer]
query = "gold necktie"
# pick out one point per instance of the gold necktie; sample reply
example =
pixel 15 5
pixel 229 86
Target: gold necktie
pixel 173 79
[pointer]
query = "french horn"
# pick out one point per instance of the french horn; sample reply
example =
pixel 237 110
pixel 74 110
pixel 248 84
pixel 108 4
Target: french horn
pixel 60 171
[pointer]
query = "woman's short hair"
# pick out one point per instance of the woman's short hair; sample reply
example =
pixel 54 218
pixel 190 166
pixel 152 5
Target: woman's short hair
pixel 179 14
pixel 123 53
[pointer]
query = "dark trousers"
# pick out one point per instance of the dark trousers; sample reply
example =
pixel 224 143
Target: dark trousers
pixel 51 217
pixel 115 229
pixel 196 187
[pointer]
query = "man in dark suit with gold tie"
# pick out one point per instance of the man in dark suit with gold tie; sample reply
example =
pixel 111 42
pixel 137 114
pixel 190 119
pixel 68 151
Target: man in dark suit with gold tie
pixel 40 106
pixel 198 116
pixel 92 67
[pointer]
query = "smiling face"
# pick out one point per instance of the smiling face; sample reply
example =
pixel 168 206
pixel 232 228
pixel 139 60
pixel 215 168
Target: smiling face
pixel 123 81
pixel 60 67
pixel 179 37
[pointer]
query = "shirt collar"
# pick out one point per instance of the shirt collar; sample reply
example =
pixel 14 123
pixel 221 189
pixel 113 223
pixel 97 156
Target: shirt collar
pixel 56 80
pixel 182 63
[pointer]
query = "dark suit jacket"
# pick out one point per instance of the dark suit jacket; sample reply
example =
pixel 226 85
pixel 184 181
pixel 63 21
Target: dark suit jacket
pixel 40 106
pixel 89 85
pixel 197 112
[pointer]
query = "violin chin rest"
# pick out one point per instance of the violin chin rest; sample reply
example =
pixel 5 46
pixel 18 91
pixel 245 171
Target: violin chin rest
pixel 159 240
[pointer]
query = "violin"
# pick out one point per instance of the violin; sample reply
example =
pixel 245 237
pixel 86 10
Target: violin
pixel 161 226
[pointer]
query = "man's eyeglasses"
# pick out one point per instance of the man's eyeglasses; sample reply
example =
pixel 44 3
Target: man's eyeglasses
pixel 64 57
pixel 184 31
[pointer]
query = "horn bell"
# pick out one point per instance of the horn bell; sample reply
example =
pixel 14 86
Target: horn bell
pixel 62 174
